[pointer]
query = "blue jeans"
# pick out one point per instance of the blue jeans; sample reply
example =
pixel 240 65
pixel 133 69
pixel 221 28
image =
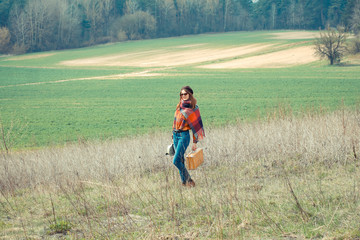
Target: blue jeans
pixel 181 142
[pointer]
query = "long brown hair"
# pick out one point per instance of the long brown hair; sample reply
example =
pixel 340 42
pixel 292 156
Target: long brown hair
pixel 192 99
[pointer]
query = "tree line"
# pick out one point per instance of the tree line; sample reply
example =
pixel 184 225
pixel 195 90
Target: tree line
pixel 39 25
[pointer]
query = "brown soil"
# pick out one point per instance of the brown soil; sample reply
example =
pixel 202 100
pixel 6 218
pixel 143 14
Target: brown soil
pixel 167 57
pixel 196 54
pixel 284 58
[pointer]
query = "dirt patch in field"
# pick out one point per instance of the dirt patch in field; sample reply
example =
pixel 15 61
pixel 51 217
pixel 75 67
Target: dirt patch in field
pixel 295 35
pixel 284 58
pixel 146 73
pixel 167 57
pixel 36 56
pixel 191 45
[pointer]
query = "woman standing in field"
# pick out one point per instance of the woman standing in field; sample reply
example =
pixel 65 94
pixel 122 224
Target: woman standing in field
pixel 187 116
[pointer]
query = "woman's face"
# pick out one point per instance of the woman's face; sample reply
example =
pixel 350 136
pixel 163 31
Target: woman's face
pixel 184 95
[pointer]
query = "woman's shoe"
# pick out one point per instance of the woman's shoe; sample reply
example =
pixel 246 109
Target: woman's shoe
pixel 190 183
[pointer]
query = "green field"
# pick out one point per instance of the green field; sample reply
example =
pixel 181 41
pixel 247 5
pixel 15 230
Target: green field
pixel 281 155
pixel 45 103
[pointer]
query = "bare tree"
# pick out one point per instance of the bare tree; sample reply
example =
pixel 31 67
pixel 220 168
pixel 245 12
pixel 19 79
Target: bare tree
pixel 131 6
pixel 68 24
pixel 241 19
pixel 355 18
pixel 45 24
pixel 4 40
pixel 42 19
pixel 19 28
pixel 98 13
pixel 211 21
pixel 331 44
pixel 165 16
pixel 295 14
pixel 139 25
pixel 34 27
pixel 273 15
pixel 107 7
pixel 354 45
pixel 227 7
pixel 94 18
pixel 187 16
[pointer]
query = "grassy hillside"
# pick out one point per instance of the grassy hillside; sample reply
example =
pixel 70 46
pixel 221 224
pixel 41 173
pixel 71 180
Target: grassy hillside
pixel 109 91
pixel 281 151
pixel 286 178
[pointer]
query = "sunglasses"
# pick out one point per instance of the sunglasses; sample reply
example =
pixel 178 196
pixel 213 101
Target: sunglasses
pixel 183 94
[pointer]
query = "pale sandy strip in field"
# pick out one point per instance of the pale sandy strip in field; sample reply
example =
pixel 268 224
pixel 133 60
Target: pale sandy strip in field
pixel 146 73
pixel 191 45
pixel 35 56
pixel 167 57
pixel 201 55
pixel 97 61
pixel 295 35
pixel 284 58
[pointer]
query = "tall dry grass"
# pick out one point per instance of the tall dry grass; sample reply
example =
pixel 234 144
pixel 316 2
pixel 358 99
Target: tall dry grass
pixel 280 177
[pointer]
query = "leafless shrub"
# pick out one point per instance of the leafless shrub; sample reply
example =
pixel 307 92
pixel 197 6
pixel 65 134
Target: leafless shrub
pixel 331 44
pixel 354 45
pixel 4 40
pixel 121 36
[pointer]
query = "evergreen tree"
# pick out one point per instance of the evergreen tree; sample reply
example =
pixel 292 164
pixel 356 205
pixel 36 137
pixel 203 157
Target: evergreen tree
pixel 336 10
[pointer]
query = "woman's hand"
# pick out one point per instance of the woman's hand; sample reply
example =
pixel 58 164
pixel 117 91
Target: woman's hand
pixel 194 147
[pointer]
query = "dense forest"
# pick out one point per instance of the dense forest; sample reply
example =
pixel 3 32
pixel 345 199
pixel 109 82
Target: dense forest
pixel 39 25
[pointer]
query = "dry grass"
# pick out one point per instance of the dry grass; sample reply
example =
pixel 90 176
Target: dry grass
pixel 280 178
